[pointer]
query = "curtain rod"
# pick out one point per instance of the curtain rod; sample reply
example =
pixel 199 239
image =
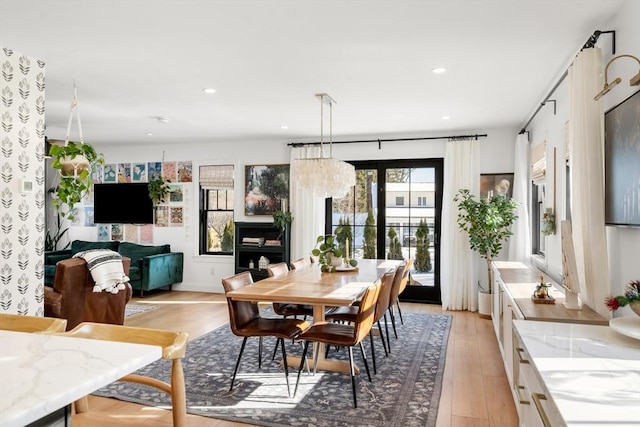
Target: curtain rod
pixel 591 42
pixel 379 141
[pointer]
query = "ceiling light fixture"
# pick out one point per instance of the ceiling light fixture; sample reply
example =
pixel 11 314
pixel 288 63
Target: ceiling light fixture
pixel 208 90
pixel 325 176
pixel 284 127
pixel 446 117
pixel 635 80
pixel 162 119
pixel 438 70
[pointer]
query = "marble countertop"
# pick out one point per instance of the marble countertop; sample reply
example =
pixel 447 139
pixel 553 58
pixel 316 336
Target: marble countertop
pixel 591 372
pixel 40 373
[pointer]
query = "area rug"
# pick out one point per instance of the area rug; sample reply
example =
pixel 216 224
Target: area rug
pixel 405 392
pixel 133 309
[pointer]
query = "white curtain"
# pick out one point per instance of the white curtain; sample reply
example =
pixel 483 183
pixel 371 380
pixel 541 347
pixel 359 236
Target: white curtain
pixel 587 178
pixel 520 241
pixel 459 263
pixel 306 209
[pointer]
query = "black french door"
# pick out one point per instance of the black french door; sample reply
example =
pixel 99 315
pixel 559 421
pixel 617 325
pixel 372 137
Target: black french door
pixel 393 212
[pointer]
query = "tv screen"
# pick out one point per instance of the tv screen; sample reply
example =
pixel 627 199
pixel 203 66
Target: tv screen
pixel 622 163
pixel 122 204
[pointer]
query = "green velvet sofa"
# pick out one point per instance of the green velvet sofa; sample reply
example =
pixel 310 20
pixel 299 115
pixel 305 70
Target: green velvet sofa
pixel 152 267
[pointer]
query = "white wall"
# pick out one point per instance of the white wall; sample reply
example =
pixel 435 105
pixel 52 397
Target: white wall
pixel 204 273
pixel 623 242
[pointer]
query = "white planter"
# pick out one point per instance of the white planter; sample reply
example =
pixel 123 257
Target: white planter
pixel 73 167
pixel 484 304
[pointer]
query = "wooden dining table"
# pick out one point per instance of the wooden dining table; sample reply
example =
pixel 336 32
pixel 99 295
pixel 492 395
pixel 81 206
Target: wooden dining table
pixel 321 290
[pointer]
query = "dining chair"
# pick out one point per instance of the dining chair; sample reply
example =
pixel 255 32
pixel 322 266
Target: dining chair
pixel 349 314
pixel 286 309
pixel 245 321
pixel 174 346
pixel 344 335
pixel 22 323
pixel 403 285
pixel 395 291
pixel 299 264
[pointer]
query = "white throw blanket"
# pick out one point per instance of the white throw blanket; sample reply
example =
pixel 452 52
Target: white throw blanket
pixel 106 269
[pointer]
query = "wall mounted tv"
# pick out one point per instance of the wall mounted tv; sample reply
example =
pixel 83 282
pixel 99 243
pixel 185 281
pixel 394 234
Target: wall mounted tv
pixel 622 163
pixel 126 203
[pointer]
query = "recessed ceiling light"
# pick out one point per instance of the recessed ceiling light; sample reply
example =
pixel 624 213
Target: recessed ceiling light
pixel 208 90
pixel 149 134
pixel 446 117
pixel 438 70
pixel 163 119
pixel 284 127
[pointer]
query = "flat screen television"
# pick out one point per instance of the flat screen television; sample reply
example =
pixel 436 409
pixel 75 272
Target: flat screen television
pixel 126 203
pixel 622 163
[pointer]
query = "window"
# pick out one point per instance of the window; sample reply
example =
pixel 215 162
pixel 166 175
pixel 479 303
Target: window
pixel 400 201
pixel 537 213
pixel 538 178
pixel 422 200
pixel 216 209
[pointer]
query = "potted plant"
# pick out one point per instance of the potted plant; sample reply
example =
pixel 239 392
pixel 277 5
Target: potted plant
pixel 158 189
pixel 74 161
pixel 488 222
pixel 281 220
pixel 329 254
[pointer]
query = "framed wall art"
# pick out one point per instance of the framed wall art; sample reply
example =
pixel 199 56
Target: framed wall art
pixel 266 188
pixel 622 163
pixel 494 184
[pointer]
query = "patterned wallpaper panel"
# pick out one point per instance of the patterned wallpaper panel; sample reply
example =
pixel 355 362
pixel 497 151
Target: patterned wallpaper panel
pixel 22 195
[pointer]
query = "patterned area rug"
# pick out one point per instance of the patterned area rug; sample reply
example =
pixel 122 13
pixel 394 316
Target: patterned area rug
pixel 133 309
pixel 405 392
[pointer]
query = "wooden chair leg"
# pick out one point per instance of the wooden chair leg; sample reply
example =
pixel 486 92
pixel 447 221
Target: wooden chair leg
pixel 178 394
pixel 81 405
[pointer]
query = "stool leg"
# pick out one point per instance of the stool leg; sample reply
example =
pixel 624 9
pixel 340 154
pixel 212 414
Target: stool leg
pixel 178 394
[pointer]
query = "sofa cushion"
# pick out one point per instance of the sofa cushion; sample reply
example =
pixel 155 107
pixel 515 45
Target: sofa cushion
pixel 134 274
pixel 137 252
pixel 81 245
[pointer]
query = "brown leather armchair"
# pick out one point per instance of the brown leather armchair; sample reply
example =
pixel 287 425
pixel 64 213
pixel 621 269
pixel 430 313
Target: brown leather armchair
pixel 72 296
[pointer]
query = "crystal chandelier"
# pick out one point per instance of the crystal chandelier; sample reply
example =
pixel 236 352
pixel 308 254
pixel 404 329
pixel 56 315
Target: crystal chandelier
pixel 325 176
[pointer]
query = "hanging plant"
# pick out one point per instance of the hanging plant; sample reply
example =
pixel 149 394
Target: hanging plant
pixel 75 182
pixel 548 222
pixel 158 189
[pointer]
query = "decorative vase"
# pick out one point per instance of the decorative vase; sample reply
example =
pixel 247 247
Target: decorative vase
pixel 334 260
pixel 635 307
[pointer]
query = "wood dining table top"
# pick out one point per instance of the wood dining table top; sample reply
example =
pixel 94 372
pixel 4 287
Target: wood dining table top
pixel 312 286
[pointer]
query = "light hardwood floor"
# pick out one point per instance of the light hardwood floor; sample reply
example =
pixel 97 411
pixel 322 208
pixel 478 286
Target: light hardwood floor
pixel 475 390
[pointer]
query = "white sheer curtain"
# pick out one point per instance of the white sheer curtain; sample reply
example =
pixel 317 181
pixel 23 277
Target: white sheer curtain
pixel 459 273
pixel 307 210
pixel 587 179
pixel 520 241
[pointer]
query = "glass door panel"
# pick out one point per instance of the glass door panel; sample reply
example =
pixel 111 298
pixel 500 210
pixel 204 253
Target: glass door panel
pixel 393 212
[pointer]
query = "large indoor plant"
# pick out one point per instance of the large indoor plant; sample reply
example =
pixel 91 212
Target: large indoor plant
pixel 281 220
pixel 487 221
pixel 76 182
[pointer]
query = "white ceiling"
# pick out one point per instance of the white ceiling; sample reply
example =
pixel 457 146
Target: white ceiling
pixel 134 61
